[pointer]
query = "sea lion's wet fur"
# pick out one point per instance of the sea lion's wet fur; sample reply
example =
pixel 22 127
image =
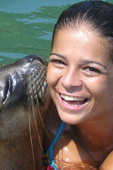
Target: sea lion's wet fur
pixel 20 108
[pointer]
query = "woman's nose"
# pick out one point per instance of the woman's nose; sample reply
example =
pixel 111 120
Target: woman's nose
pixel 71 80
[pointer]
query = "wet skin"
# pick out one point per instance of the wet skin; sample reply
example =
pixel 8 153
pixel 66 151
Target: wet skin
pixel 81 88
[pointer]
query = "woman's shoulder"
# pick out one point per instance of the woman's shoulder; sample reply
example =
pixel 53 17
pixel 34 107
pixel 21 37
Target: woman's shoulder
pixel 70 151
pixel 66 148
pixel 108 163
pixel 67 152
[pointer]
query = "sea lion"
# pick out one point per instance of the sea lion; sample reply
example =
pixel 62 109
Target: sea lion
pixel 23 93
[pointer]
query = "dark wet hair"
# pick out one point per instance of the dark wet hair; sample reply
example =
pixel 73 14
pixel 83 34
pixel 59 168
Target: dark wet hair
pixel 97 14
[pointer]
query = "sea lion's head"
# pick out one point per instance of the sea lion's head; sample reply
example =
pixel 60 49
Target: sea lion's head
pixel 22 78
pixel 24 99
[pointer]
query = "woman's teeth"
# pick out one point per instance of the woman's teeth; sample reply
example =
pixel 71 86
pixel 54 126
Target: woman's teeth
pixel 70 98
pixel 76 101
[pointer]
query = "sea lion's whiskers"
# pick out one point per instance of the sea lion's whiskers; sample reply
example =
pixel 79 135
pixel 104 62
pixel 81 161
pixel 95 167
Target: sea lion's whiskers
pixel 31 141
pixel 38 102
pixel 34 84
pixel 36 126
pixel 32 110
pixel 40 116
pixel 39 84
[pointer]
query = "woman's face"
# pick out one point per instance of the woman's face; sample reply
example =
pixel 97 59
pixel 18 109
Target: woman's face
pixel 80 76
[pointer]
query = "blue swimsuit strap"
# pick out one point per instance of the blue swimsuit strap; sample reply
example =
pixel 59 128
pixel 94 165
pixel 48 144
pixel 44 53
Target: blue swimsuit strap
pixel 53 143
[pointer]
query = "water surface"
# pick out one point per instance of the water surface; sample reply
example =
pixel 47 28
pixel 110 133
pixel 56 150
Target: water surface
pixel 26 27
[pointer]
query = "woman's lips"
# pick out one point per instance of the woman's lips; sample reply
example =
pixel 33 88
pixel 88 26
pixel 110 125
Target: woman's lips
pixel 72 103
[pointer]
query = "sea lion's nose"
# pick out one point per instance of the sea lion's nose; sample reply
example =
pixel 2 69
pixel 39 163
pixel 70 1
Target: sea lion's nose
pixel 3 89
pixel 11 88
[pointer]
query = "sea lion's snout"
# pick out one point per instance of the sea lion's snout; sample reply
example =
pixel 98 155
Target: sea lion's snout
pixel 22 78
pixel 5 89
pixel 36 84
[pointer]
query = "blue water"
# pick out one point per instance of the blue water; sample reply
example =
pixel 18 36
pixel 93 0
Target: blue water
pixel 26 27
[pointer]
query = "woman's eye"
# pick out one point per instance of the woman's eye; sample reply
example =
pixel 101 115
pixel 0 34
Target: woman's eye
pixel 91 70
pixel 57 61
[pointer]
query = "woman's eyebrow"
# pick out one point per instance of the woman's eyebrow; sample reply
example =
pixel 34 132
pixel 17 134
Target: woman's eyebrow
pixel 92 62
pixel 84 61
pixel 59 55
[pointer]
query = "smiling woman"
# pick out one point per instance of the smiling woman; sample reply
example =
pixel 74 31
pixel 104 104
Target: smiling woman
pixel 80 80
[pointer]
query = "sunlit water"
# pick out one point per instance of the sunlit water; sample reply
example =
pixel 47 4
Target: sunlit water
pixel 26 27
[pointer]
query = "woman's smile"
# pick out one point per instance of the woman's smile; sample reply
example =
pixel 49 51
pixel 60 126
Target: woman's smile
pixel 72 103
